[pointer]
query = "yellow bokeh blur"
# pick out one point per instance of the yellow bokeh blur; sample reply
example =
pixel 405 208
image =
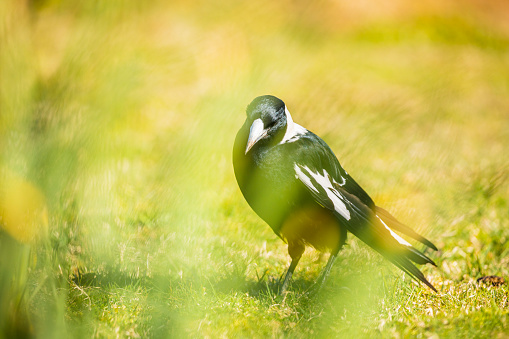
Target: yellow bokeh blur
pixel 23 210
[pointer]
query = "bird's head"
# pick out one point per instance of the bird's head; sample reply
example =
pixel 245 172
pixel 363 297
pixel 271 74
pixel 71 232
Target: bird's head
pixel 267 118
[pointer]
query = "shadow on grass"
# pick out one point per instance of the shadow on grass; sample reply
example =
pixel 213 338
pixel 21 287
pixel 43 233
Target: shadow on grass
pixel 262 287
pixel 265 285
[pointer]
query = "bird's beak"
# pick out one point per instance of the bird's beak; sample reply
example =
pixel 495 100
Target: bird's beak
pixel 255 133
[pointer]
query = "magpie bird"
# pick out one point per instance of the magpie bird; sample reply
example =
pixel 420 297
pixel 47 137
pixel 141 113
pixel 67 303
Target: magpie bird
pixel 294 182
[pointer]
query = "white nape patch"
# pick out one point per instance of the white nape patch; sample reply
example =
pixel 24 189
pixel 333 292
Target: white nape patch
pixel 394 235
pixel 293 130
pixel 324 181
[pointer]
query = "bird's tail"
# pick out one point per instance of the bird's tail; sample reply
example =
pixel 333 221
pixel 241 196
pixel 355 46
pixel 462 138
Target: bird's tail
pixel 402 254
pixel 394 224
pixel 377 232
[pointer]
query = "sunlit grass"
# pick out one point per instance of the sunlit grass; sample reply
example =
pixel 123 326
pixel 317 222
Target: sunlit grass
pixel 118 119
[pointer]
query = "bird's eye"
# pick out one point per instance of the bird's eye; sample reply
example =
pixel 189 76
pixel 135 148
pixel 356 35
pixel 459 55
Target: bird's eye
pixel 270 124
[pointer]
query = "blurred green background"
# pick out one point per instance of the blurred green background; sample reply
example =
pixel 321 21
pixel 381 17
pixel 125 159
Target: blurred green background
pixel 120 212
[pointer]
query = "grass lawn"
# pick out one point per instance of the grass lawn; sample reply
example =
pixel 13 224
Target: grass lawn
pixel 121 214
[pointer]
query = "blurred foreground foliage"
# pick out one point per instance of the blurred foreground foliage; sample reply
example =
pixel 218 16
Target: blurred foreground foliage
pixel 120 213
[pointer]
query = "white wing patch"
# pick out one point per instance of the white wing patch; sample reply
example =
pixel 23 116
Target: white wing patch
pixel 293 130
pixel 304 178
pixel 343 182
pixel 324 181
pixel 394 235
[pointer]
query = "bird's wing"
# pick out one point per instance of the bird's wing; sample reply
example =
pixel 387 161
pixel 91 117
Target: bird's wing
pixel 361 220
pixel 311 149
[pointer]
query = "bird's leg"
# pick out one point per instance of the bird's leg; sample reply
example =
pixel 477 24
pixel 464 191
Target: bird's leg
pixel 295 250
pixel 326 271
pixel 289 274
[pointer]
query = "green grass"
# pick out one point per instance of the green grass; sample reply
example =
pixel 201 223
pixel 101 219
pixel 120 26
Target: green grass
pixel 123 115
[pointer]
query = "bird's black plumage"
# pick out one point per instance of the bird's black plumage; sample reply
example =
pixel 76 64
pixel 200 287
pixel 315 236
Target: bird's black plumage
pixel 294 182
